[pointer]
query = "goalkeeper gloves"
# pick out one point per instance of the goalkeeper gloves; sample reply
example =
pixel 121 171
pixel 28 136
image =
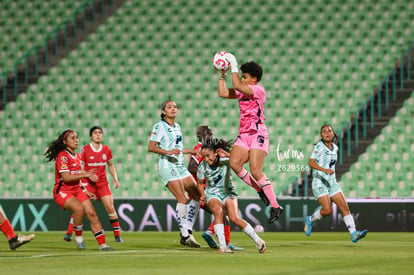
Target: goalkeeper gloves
pixel 233 62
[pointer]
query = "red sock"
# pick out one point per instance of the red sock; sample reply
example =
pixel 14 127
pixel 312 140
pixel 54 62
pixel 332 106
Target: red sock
pixel 7 230
pixel 100 236
pixel 70 226
pixel 78 229
pixel 211 228
pixel 227 233
pixel 268 190
pixel 245 176
pixel 115 227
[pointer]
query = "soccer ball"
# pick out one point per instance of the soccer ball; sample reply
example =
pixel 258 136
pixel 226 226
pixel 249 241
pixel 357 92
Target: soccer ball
pixel 220 63
pixel 258 228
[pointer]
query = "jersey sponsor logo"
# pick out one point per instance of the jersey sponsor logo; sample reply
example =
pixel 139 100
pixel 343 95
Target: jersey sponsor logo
pixel 95 164
pixel 63 195
pixel 64 167
pixel 91 157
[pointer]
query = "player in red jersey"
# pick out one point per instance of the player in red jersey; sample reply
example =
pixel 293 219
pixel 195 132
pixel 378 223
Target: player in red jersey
pixel 7 229
pixel 68 193
pixel 204 132
pixel 96 156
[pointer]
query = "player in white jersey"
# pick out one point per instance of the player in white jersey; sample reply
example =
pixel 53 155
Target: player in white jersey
pixel 219 194
pixel 167 141
pixel 324 185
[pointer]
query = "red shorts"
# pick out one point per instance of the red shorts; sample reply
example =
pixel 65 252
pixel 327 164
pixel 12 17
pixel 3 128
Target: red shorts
pixel 63 195
pixel 254 140
pixel 99 189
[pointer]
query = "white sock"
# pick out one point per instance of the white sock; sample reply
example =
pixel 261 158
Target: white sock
pixel 181 215
pixel 251 233
pixel 219 229
pixel 350 224
pixel 316 216
pixel 79 239
pixel 192 211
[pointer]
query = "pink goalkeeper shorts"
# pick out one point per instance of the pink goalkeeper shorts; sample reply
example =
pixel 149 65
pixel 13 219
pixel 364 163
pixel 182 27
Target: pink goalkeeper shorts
pixel 253 140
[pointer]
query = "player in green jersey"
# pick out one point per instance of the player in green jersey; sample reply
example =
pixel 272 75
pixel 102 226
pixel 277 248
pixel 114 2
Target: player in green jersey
pixel 324 185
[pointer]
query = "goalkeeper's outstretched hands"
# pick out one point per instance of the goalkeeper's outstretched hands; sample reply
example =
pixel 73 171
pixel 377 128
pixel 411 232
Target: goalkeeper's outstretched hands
pixel 233 62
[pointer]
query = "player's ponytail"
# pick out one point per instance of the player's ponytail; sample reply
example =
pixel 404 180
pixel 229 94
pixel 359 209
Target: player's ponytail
pixel 57 146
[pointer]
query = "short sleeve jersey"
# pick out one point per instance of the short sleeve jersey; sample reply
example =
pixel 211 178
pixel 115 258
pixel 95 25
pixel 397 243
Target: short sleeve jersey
pixel 67 163
pixel 194 157
pixel 218 179
pixel 325 158
pixel 168 137
pixel 252 109
pixel 96 158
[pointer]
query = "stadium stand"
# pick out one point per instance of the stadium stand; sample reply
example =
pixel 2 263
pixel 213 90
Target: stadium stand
pixel 320 60
pixel 25 24
pixel 384 169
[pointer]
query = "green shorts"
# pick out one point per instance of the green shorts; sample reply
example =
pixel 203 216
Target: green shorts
pixel 321 188
pixel 173 173
pixel 220 196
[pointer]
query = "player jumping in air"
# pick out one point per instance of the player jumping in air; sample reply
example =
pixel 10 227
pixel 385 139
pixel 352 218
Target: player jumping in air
pixel 252 142
pixel 324 185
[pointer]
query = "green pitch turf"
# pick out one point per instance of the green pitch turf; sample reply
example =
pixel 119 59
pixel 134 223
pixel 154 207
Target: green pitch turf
pixel 161 253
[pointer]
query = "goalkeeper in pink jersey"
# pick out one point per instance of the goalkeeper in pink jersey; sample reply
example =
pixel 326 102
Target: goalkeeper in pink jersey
pixel 252 142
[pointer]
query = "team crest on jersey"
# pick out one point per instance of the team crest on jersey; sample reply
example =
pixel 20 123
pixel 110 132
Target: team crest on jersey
pixel 173 172
pixel 104 156
pixel 63 195
pixel 64 159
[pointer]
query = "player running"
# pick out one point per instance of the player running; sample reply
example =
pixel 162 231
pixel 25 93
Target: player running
pixel 68 193
pixel 324 185
pixel 252 142
pixel 96 156
pixel 203 132
pixel 167 141
pixel 220 194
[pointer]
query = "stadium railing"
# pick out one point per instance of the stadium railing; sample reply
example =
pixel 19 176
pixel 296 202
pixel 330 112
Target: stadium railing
pixel 384 85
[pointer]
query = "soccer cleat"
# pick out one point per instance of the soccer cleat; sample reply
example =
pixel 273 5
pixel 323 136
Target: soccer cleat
pixel 308 226
pixel 275 213
pixel 208 237
pixel 357 235
pixel 234 248
pixel 189 241
pixel 225 249
pixel 80 245
pixel 20 240
pixel 67 237
pixel 105 247
pixel 261 246
pixel 263 197
pixel 118 239
pixel 192 242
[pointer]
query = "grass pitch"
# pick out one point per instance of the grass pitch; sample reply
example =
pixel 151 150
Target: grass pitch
pixel 161 253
